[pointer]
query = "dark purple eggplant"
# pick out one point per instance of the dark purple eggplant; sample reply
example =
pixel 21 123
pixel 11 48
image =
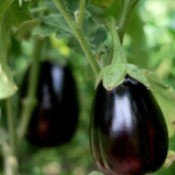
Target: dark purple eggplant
pixel 54 119
pixel 128 133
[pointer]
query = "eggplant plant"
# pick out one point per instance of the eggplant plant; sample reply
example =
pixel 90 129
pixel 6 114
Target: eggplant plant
pixel 132 114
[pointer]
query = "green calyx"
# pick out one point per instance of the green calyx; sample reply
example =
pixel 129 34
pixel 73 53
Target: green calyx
pixel 114 74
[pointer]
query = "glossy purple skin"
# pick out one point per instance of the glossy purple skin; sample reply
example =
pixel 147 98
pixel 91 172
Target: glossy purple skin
pixel 128 133
pixel 54 120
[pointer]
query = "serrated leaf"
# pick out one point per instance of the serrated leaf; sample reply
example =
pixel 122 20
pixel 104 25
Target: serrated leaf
pixel 90 25
pixel 113 75
pixel 54 23
pixel 137 74
pixel 95 173
pixel 100 35
pixel 25 28
pixel 166 98
pixel 72 5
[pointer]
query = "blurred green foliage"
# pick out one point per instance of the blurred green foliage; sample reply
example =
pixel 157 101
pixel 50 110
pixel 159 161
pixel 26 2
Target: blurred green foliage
pixel 149 43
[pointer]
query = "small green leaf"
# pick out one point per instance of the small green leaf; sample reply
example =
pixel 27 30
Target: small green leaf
pixel 24 29
pixel 166 98
pixel 8 8
pixel 53 23
pixel 113 75
pixel 137 74
pixel 7 86
pixel 95 173
pixel 100 35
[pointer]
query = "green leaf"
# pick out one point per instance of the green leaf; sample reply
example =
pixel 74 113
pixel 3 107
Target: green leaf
pixel 53 23
pixel 95 173
pixel 100 35
pixel 112 75
pixel 90 25
pixel 165 96
pixel 16 15
pixel 10 16
pixel 24 29
pixel 137 74
pixel 7 86
pixel 71 5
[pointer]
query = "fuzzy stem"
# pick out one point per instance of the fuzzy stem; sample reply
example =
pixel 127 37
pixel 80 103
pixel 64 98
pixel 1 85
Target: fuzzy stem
pixel 9 160
pixel 30 100
pixel 118 53
pixel 11 129
pixel 79 35
pixel 81 13
pixel 9 149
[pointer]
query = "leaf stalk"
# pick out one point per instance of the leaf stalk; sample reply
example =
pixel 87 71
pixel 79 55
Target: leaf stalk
pixel 30 100
pixel 78 33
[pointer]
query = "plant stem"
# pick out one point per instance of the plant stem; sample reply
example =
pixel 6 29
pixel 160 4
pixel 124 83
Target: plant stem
pixel 127 6
pixel 11 128
pixel 9 160
pixel 10 163
pixel 30 100
pixel 79 36
pixel 81 13
pixel 118 53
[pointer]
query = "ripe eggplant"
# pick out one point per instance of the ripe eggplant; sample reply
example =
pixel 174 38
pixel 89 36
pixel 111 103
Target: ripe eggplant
pixel 54 119
pixel 128 133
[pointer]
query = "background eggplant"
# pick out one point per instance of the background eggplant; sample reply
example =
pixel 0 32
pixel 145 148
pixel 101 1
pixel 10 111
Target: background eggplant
pixel 54 119
pixel 128 133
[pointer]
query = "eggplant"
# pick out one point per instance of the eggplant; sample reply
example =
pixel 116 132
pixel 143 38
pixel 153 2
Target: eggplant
pixel 54 119
pixel 128 133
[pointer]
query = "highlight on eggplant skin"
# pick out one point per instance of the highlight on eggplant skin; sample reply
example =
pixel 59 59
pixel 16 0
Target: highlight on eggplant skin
pixel 54 120
pixel 128 133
